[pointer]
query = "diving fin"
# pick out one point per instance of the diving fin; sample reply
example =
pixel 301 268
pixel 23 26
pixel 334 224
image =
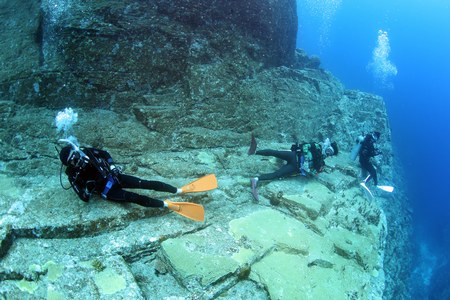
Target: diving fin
pixel 363 184
pixel 189 210
pixel 386 188
pixel 205 183
pixel 254 182
pixel 253 145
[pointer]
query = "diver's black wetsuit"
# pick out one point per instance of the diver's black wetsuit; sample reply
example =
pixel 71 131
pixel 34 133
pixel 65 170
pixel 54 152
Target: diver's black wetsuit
pixel 292 158
pixel 90 176
pixel 368 151
pixel 290 168
pixel 126 181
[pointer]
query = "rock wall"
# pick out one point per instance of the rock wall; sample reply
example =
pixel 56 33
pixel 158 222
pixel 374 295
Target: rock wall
pixel 111 53
pixel 174 89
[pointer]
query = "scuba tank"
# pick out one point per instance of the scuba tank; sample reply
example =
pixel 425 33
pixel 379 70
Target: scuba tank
pixel 357 147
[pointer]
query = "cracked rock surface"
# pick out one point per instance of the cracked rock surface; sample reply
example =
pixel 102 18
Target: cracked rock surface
pixel 174 90
pixel 321 236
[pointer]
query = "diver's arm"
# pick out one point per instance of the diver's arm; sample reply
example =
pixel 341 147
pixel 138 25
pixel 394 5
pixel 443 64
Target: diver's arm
pixel 77 184
pixel 82 193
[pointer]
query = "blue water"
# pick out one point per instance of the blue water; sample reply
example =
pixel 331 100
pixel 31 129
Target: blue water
pixel 343 33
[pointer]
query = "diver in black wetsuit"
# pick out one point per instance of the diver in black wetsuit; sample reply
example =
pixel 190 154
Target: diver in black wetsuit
pixel 305 159
pixel 366 152
pixel 92 171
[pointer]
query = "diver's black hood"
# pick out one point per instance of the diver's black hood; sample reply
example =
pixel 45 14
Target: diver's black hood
pixel 64 154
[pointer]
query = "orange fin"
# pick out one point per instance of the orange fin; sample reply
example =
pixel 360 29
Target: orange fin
pixel 203 184
pixel 189 210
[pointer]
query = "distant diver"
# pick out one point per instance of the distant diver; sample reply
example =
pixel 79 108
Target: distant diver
pixel 92 171
pixel 365 148
pixel 306 159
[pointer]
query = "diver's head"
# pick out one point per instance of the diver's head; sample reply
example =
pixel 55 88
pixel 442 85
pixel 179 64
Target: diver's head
pixel 332 149
pixel 376 135
pixel 67 155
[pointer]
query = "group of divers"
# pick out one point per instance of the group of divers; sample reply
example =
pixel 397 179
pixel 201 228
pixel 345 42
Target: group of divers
pixel 92 171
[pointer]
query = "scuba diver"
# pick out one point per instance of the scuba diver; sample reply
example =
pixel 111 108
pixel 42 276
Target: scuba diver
pixel 307 159
pixel 366 149
pixel 92 171
pixel 366 152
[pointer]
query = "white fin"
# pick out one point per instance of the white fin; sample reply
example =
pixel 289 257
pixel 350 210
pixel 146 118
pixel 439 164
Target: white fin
pixel 386 188
pixel 363 184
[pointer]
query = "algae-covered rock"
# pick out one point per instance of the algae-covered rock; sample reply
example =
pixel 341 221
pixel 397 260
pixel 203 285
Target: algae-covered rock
pixel 361 249
pixel 270 228
pixel 54 270
pixel 203 256
pixel 27 286
pixel 314 198
pixel 288 276
pixel 66 280
pixel 174 90
pixel 304 263
pixel 279 252
pixel 109 281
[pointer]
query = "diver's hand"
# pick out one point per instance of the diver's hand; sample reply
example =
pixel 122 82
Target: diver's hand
pixel 114 170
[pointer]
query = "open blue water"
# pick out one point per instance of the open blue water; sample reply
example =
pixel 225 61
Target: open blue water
pixel 344 34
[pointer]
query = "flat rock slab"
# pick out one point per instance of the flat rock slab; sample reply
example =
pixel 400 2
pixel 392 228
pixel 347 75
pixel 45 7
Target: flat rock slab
pixel 278 252
pixel 103 278
pixel 322 227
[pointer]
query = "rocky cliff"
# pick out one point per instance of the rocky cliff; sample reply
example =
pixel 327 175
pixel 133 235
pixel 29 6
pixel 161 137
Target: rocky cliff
pixel 173 90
